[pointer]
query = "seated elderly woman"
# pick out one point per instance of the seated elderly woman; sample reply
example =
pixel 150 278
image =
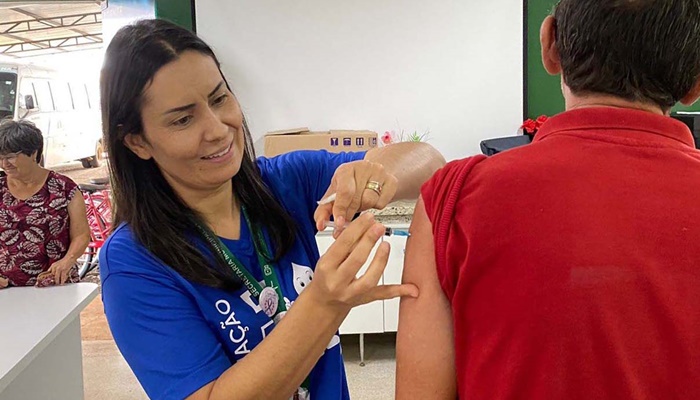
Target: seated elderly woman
pixel 43 227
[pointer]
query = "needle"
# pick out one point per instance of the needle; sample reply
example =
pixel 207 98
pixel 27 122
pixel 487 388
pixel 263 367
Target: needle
pixel 387 231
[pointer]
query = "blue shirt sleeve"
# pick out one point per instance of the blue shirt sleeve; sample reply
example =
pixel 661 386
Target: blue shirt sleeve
pixel 307 173
pixel 156 324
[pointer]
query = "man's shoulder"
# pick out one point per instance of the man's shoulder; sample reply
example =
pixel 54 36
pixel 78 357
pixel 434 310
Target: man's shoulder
pixel 455 172
pixel 518 163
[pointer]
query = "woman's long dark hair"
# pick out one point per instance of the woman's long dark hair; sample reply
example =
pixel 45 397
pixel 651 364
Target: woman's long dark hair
pixel 159 219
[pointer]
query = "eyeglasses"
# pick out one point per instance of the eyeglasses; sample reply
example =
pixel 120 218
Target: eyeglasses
pixel 10 157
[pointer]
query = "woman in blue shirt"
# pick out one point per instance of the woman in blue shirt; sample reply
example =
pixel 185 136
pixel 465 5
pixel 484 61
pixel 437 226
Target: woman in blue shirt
pixel 213 247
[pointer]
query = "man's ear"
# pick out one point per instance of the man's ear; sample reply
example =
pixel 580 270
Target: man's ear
pixel 548 40
pixel 138 145
pixel 693 95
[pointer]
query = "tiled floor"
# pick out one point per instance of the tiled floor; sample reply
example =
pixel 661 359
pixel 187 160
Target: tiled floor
pixel 107 376
pixel 105 373
pixel 374 381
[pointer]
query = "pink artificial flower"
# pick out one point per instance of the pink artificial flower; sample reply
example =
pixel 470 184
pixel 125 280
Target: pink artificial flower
pixel 386 138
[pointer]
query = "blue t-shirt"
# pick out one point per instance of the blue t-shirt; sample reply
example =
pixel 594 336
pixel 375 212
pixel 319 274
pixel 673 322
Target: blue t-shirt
pixel 178 336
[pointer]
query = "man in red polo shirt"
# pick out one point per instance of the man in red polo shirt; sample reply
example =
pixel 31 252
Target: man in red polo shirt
pixel 570 268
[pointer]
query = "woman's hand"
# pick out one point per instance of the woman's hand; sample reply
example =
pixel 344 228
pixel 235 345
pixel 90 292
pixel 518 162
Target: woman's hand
pixel 4 282
pixel 61 270
pixel 358 186
pixel 335 284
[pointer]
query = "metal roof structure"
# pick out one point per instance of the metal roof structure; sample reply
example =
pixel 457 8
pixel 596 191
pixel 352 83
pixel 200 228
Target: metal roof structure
pixel 29 29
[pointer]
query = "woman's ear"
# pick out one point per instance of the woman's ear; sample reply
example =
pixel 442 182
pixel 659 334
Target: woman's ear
pixel 548 40
pixel 138 145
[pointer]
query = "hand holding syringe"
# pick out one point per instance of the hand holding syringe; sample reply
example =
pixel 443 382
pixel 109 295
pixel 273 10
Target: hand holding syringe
pixel 387 232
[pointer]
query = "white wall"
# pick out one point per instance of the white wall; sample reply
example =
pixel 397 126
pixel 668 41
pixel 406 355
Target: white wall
pixel 451 67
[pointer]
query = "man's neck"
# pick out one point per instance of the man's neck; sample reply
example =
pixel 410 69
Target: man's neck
pixel 602 100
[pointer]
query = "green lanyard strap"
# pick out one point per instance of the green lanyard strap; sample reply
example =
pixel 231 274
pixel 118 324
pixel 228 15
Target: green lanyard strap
pixel 269 297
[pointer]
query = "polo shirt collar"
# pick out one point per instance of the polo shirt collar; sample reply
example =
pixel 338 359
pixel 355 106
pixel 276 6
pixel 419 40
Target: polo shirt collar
pixel 625 122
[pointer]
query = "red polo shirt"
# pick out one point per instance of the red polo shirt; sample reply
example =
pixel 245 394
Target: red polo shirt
pixel 573 264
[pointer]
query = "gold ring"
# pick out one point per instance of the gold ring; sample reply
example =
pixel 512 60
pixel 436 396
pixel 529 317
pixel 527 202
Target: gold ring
pixel 374 186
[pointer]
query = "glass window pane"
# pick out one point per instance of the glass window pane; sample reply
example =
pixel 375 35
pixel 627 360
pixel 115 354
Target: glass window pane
pixel 79 93
pixel 43 95
pixel 61 96
pixel 8 94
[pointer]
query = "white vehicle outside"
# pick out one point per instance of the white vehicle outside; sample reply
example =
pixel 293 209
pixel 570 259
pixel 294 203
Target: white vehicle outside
pixel 66 110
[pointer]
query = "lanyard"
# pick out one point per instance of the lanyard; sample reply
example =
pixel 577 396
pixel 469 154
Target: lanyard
pixel 270 297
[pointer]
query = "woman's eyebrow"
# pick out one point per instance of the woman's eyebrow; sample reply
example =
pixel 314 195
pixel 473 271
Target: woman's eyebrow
pixel 216 89
pixel 178 109
pixel 190 106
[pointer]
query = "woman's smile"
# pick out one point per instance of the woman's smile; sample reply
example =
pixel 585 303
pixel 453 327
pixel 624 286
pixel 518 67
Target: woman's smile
pixel 221 156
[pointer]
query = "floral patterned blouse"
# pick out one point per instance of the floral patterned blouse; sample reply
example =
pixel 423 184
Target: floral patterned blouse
pixel 34 233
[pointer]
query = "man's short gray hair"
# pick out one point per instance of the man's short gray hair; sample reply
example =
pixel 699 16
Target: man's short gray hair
pixel 640 50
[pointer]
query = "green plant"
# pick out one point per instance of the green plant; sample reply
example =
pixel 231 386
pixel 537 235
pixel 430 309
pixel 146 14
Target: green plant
pixel 390 137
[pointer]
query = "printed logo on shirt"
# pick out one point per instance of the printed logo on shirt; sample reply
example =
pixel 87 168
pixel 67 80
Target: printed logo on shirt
pixel 238 331
pixel 303 275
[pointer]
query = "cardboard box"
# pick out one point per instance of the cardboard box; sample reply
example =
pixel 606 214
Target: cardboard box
pixel 335 141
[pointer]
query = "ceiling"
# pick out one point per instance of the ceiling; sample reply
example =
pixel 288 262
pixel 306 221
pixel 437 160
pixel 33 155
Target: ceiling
pixel 29 29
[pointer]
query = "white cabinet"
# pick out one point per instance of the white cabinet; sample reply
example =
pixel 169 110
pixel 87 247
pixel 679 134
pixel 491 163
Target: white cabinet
pixel 368 318
pixel 378 316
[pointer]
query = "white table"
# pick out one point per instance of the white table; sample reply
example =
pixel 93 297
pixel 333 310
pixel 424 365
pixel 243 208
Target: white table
pixel 41 353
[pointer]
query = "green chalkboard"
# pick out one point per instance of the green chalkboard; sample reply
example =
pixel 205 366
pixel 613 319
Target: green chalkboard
pixel 543 92
pixel 180 12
